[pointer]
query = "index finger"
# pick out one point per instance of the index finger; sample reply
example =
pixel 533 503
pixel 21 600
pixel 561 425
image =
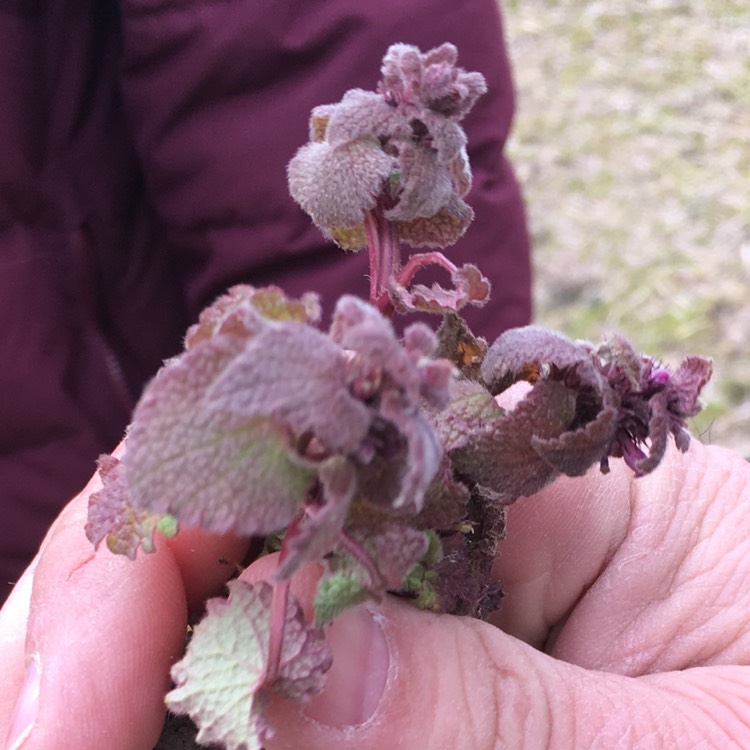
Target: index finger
pixel 96 634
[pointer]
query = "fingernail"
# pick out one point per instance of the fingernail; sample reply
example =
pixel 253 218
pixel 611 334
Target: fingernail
pixel 27 707
pixel 357 679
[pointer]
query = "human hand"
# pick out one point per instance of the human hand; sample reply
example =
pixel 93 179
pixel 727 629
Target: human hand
pixel 87 638
pixel 626 619
pixel 634 590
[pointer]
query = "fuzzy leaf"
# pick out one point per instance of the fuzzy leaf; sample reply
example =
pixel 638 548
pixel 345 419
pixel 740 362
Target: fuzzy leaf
pixel 206 467
pixel 495 449
pixel 445 500
pixel 470 287
pixel 322 526
pixel 295 375
pixel 442 229
pixel 335 594
pixel 394 549
pixel 526 353
pixel 111 515
pixel 424 451
pixel 624 400
pixel 396 465
pixel 221 680
pixel 425 183
pixel 335 184
pixel 360 114
pixel 459 345
pixel 240 312
pixel 400 149
pixel 371 561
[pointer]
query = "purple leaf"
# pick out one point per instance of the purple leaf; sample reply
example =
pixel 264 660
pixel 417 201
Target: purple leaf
pixel 295 375
pixel 210 468
pixel 442 229
pixel 334 185
pixel 529 352
pixel 424 451
pixel 445 500
pixel 374 559
pixel 460 346
pixel 394 378
pixel 470 287
pixel 377 356
pixel 425 184
pixel 361 114
pixel 321 528
pixel 686 384
pixel 623 399
pixel 242 310
pixel 112 516
pixel 394 549
pixel 400 149
pixel 500 455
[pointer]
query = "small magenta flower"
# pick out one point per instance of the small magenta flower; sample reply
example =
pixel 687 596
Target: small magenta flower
pixel 390 165
pixel 653 402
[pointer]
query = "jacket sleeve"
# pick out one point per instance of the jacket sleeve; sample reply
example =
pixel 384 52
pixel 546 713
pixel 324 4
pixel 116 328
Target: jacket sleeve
pixel 218 97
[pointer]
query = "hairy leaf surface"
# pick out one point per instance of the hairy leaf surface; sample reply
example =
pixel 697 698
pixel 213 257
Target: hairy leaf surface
pixel 221 682
pixel 211 468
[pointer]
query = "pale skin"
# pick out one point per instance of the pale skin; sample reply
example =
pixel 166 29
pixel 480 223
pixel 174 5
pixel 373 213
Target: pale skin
pixel 626 624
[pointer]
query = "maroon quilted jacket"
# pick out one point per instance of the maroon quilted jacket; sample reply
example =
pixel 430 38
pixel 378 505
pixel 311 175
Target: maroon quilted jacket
pixel 143 147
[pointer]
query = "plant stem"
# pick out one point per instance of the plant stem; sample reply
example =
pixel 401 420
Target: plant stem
pixel 385 258
pixel 421 260
pixel 279 605
pixel 362 556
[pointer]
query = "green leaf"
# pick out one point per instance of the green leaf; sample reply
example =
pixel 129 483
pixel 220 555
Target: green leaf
pixel 335 594
pixel 221 681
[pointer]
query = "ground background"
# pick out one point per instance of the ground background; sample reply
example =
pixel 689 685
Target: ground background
pixel 632 142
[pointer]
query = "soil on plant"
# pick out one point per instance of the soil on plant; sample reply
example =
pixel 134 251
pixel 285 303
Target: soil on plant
pixel 178 734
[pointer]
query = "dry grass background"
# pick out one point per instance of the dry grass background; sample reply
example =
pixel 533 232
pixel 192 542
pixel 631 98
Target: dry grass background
pixel 632 142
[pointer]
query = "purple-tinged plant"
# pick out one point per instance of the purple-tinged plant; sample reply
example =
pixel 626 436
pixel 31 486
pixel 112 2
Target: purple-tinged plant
pixel 390 166
pixel 389 461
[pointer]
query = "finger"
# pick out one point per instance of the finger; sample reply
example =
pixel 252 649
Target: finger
pixel 450 682
pixel 635 575
pixel 556 545
pixel 13 618
pixel 206 562
pixel 102 634
pixel 557 542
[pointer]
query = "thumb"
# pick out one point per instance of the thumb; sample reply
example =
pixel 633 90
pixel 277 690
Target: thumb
pixel 402 678
pixel 409 679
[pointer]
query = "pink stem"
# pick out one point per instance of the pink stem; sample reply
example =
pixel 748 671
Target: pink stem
pixel 421 260
pixel 373 251
pixel 360 554
pixel 279 605
pixel 385 257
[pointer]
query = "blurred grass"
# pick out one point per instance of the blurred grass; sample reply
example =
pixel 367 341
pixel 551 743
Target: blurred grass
pixel 632 142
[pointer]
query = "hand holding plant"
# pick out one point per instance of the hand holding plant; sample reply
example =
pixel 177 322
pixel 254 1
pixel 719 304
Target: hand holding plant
pixel 391 463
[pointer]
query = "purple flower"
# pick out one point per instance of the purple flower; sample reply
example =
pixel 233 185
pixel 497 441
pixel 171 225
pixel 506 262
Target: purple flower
pixel 652 402
pixel 586 404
